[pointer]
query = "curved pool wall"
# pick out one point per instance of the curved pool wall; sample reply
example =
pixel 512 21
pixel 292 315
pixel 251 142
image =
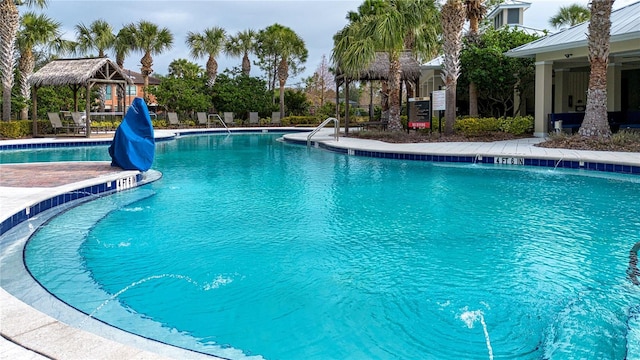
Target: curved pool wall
pixel 521 152
pixel 627 163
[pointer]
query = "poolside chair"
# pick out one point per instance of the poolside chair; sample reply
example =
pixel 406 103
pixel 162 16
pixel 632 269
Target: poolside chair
pixel 275 118
pixel 78 119
pixel 173 119
pixel 254 119
pixel 56 123
pixel 228 119
pixel 203 119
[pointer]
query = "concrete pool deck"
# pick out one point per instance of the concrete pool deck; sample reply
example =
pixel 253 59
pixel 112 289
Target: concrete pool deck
pixel 28 333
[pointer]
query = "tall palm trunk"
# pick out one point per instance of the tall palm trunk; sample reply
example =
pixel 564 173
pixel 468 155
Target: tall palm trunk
pixel 246 64
pixel 9 22
pixel 395 73
pixel 452 22
pixel 595 123
pixel 475 11
pixel 146 70
pixel 120 90
pixel 283 74
pixel 26 64
pixel 212 71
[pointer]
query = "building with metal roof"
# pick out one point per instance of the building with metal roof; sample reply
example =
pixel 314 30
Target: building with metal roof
pixel 562 69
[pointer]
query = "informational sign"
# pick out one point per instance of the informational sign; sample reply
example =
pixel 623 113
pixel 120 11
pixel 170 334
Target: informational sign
pixel 439 100
pixel 419 113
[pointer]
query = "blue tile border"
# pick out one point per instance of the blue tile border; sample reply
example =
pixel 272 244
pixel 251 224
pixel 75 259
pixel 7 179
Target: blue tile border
pixel 61 199
pixel 479 159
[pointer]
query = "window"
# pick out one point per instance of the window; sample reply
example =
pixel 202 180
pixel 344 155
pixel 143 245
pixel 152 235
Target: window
pixel 107 92
pixel 132 90
pixel 513 16
pixel 497 21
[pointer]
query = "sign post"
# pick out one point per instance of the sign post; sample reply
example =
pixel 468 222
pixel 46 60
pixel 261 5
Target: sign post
pixel 439 104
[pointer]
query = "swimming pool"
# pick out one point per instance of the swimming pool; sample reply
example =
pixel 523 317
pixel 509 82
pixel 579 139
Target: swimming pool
pixel 248 246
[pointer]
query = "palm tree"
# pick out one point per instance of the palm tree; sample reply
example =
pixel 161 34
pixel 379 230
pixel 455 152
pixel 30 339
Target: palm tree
pixel 453 15
pixel 595 123
pixel 571 15
pixel 97 36
pixel 208 43
pixel 183 69
pixel 150 40
pixel 385 28
pixel 9 23
pixel 282 48
pixel 123 44
pixel 475 10
pixel 241 45
pixel 35 30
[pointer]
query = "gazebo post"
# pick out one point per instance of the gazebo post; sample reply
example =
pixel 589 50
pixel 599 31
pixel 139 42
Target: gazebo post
pixel 87 110
pixel 338 100
pixel 34 110
pixel 370 100
pixel 346 106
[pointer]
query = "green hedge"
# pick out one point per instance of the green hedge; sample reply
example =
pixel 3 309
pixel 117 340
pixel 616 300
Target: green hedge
pixel 22 128
pixel 472 126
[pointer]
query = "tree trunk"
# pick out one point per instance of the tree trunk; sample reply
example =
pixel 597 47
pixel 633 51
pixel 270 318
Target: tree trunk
pixel 212 71
pixel 283 74
pixel 25 65
pixel 246 64
pixel 394 94
pixel 146 70
pixel 452 18
pixel 450 110
pixel 595 123
pixel 473 99
pixel 9 22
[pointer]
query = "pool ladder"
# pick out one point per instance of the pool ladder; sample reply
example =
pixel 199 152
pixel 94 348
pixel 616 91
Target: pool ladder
pixel 324 123
pixel 221 122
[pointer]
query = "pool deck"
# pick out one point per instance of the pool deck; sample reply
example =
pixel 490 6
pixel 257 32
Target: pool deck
pixel 30 334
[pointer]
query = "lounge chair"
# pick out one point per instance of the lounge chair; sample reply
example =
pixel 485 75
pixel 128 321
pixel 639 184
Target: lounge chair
pixel 254 119
pixel 275 118
pixel 203 119
pixel 78 119
pixel 228 119
pixel 173 119
pixel 56 123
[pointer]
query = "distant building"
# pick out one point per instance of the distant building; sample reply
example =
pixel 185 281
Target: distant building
pixel 131 92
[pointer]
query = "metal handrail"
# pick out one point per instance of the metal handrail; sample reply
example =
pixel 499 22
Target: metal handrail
pixel 324 123
pixel 221 122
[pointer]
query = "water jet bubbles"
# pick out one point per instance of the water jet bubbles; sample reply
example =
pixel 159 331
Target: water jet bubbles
pixel 470 318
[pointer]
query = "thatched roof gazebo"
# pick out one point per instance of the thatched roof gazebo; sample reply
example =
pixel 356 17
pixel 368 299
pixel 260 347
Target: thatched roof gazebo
pixel 76 73
pixel 379 70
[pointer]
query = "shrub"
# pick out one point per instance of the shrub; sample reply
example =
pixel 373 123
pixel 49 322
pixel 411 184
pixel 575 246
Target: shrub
pixel 19 129
pixel 473 126
pixel 518 125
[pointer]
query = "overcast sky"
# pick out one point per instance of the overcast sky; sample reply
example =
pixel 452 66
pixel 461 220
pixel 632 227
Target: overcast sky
pixel 315 21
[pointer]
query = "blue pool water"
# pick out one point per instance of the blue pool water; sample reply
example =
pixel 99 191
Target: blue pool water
pixel 251 247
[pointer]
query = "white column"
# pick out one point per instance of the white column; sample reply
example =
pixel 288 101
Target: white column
pixel 544 80
pixel 561 98
pixel 614 87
